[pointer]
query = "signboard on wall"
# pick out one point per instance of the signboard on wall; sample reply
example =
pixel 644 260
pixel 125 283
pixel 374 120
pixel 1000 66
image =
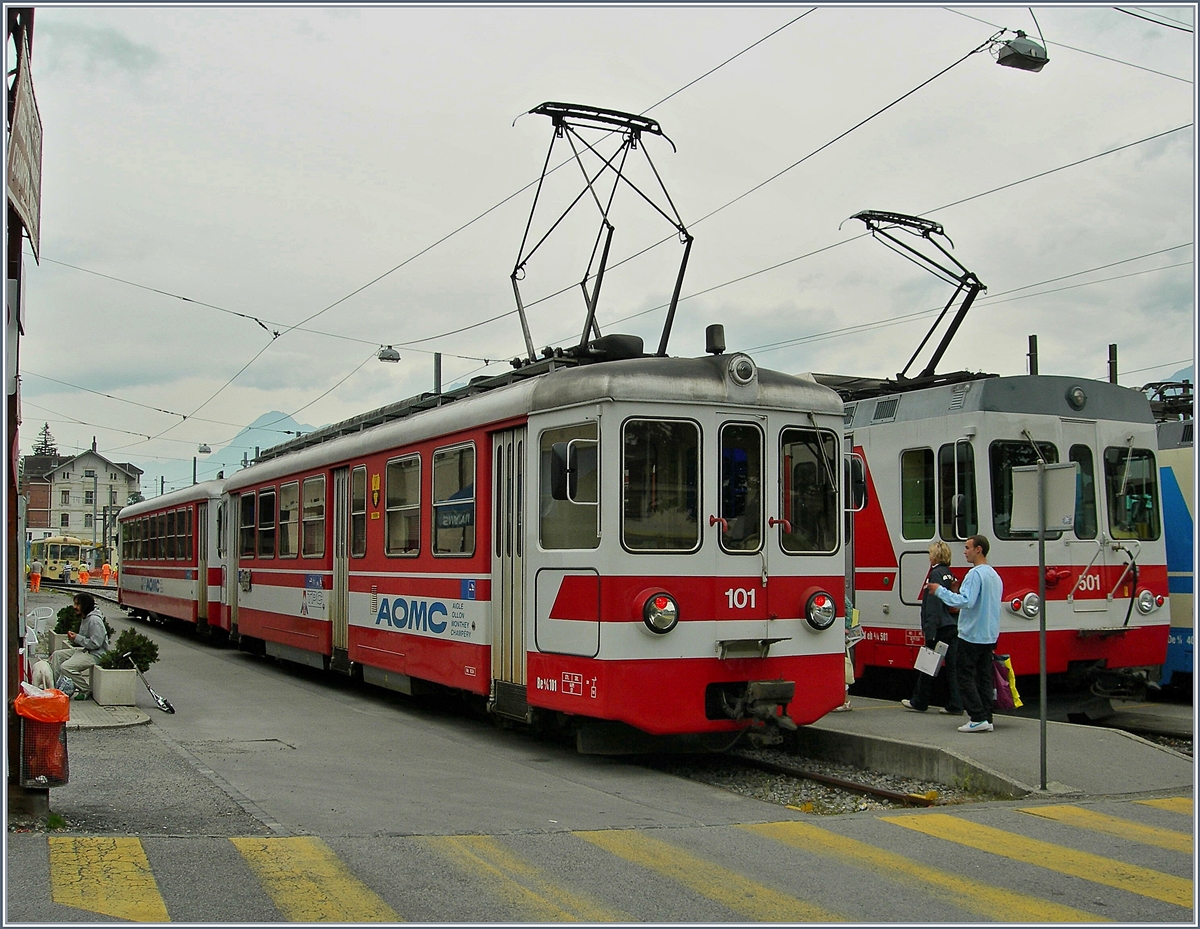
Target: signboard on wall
pixel 25 153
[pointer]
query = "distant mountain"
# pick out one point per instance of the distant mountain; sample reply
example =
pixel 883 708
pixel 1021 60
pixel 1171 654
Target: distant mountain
pixel 268 430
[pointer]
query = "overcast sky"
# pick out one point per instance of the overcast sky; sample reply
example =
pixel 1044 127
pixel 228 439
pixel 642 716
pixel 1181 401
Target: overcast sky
pixel 271 162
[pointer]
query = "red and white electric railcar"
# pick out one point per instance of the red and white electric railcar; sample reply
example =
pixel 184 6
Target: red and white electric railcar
pixel 652 541
pixel 939 464
pixel 171 562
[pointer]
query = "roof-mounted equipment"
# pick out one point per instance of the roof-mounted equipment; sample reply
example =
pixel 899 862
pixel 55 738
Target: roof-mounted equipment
pixel 569 119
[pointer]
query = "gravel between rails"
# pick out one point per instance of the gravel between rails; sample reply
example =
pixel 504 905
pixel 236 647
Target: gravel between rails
pixel 802 793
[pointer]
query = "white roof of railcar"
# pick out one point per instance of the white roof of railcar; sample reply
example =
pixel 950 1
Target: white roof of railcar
pixel 701 380
pixel 208 490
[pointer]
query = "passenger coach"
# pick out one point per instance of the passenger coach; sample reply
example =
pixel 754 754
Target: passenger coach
pixel 651 541
pixel 171 562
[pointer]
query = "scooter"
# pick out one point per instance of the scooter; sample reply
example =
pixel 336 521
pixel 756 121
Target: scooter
pixel 163 703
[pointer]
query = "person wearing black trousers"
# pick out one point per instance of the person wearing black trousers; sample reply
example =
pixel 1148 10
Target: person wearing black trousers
pixel 939 623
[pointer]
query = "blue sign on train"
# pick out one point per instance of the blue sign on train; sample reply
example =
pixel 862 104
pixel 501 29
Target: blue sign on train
pixel 418 615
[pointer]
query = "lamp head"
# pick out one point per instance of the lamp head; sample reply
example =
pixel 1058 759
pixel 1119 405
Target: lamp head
pixel 388 354
pixel 1021 53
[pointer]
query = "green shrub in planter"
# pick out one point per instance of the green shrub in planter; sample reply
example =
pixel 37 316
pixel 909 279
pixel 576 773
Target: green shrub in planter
pixel 142 649
pixel 69 620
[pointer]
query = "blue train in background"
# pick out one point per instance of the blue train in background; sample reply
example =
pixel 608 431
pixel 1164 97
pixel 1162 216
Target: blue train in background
pixel 1172 404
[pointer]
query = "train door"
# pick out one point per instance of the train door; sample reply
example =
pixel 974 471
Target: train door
pixel 1085 543
pixel 508 544
pixel 339 603
pixel 230 567
pixel 202 563
pixel 738 520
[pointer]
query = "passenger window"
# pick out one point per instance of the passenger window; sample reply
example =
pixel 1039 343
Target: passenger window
pixel 266 523
pixel 661 486
pixel 403 530
pixel 809 464
pixel 1131 485
pixel 358 512
pixel 289 520
pixel 314 517
pixel 170 554
pixel 246 527
pixel 187 533
pixel 454 501
pixel 221 530
pixel 741 487
pixel 917 497
pixel 568 490
pixel 1004 457
pixel 1086 524
pixel 958 503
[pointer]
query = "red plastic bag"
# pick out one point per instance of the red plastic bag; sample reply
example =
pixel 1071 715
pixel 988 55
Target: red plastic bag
pixel 50 706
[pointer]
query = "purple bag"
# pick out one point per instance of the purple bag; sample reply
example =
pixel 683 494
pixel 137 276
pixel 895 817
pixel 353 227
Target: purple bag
pixel 1004 697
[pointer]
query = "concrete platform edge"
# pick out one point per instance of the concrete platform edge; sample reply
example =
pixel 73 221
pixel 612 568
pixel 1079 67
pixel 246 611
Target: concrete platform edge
pixel 905 759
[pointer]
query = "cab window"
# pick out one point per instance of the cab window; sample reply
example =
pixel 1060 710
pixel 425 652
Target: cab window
pixel 917 506
pixel 661 485
pixel 809 464
pixel 1131 487
pixel 1006 455
pixel 741 487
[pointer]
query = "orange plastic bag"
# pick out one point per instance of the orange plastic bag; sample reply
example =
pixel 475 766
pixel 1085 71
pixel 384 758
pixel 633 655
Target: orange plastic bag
pixel 50 706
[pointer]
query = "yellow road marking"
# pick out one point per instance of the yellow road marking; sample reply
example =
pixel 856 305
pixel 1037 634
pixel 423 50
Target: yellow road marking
pixel 308 883
pixel 522 886
pixel 1182 805
pixel 721 885
pixel 968 895
pixel 1135 879
pixel 105 875
pixel 1112 825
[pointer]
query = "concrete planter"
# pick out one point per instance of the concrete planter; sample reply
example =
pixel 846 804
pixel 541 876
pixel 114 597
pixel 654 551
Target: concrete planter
pixel 113 687
pixel 59 640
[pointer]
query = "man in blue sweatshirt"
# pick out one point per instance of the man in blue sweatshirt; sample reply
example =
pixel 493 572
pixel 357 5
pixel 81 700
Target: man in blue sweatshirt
pixel 978 600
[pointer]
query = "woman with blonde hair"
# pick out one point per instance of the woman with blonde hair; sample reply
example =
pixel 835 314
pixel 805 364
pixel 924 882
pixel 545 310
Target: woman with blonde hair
pixel 939 623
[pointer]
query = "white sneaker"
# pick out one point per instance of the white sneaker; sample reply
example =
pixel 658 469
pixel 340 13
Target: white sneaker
pixel 982 726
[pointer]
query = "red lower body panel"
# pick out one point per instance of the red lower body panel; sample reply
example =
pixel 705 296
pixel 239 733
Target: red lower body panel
pixel 157 603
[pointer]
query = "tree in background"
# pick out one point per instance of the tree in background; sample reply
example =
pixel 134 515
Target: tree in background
pixel 45 444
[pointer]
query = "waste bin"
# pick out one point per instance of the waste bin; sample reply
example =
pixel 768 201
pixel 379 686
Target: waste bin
pixel 44 716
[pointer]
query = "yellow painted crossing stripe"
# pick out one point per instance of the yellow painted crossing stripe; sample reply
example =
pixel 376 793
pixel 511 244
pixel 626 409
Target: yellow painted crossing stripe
pixel 1113 825
pixel 970 896
pixel 308 883
pixel 537 896
pixel 1182 805
pixel 107 875
pixel 719 884
pixel 1111 873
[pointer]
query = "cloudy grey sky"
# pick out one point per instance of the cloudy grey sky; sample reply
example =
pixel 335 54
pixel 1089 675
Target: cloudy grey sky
pixel 271 162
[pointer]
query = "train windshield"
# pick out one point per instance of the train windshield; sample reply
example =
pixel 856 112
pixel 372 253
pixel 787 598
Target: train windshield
pixel 1131 484
pixel 1004 457
pixel 810 490
pixel 661 464
pixel 69 552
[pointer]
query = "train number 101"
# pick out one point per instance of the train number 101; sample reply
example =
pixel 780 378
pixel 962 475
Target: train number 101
pixel 740 598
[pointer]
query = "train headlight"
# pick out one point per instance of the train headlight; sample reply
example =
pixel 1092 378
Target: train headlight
pixel 1146 602
pixel 1076 397
pixel 742 369
pixel 1024 605
pixel 660 613
pixel 820 611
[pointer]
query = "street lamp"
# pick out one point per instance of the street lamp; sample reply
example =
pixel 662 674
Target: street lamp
pixel 1022 53
pixel 202 449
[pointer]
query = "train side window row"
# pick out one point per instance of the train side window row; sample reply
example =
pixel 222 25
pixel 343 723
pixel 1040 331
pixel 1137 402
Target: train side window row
pixel 926 504
pixel 160 537
pixel 298 515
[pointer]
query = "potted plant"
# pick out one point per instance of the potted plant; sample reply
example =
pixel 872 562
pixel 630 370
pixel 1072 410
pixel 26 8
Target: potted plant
pixel 114 676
